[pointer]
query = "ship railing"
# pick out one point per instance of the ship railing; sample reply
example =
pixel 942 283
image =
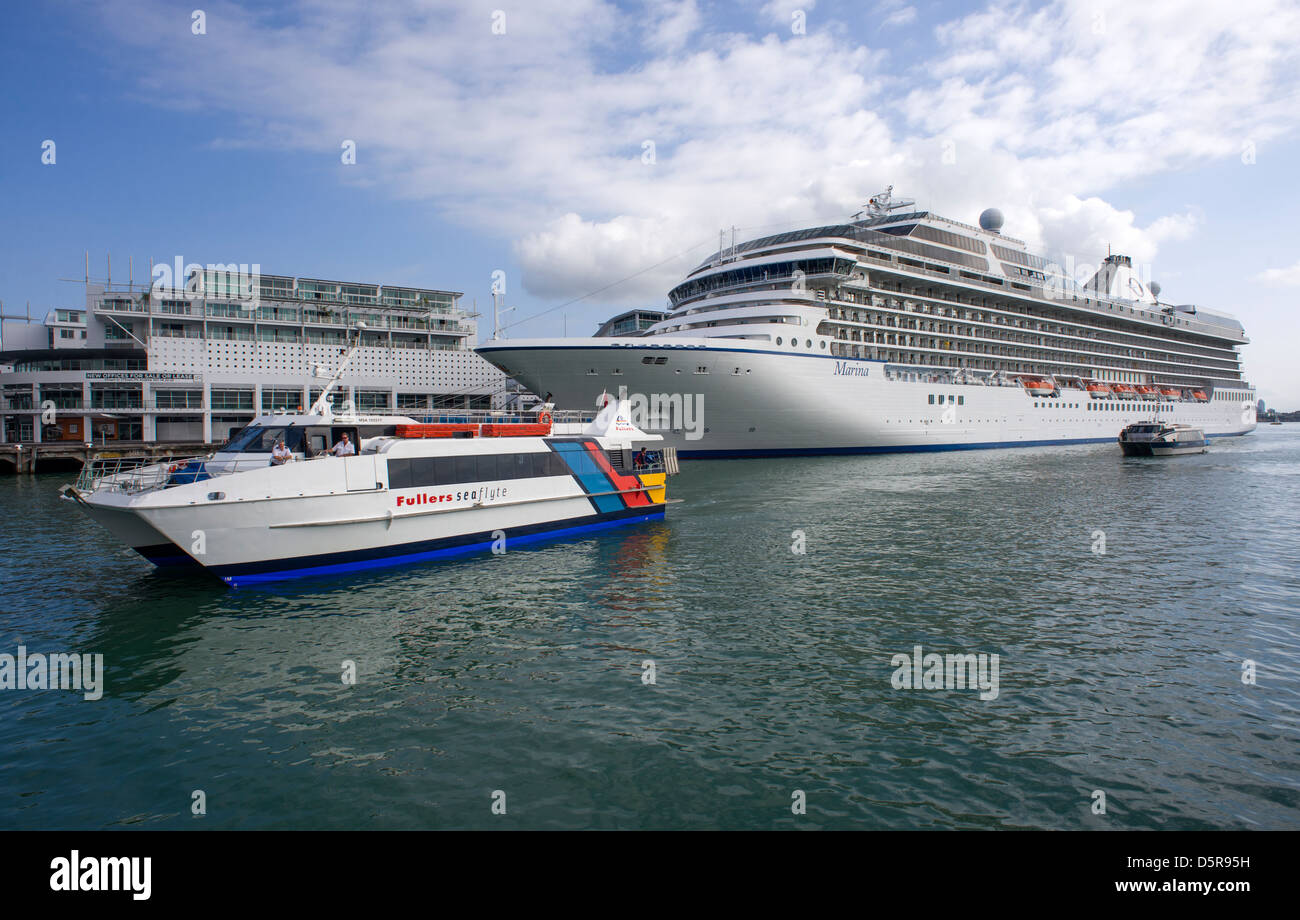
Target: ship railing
pixel 133 475
pixel 127 474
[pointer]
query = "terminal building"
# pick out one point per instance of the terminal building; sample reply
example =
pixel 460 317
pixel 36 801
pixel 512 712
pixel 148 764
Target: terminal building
pixel 197 362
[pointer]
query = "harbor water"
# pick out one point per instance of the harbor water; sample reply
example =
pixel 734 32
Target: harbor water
pixel 715 670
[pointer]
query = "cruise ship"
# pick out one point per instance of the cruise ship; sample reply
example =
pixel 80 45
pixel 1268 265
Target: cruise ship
pixel 901 330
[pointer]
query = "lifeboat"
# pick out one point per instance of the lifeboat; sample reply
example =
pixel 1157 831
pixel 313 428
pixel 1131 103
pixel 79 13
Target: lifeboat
pixel 1200 396
pixel 1097 390
pixel 539 429
pixel 1171 392
pixel 1037 386
pixel 1125 391
pixel 1147 392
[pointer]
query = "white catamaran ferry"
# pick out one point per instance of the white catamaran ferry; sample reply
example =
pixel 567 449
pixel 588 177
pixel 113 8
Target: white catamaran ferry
pixel 319 493
pixel 900 330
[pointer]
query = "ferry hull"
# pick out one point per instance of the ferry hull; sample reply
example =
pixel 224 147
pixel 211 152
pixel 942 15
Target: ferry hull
pixel 760 402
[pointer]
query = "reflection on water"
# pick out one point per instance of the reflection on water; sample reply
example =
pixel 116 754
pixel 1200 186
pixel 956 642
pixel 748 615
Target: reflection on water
pixel 523 672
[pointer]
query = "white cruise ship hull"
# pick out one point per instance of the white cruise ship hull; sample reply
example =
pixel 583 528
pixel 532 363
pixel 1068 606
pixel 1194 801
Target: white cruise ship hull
pixel 759 401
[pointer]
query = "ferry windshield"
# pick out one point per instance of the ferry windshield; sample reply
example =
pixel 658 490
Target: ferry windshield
pixel 259 440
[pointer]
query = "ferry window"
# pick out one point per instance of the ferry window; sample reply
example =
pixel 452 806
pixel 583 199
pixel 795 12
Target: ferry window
pixel 823 344
pixel 648 359
pixel 423 471
pixel 810 343
pixel 961 400
pixel 662 360
pixel 465 469
pixel 487 468
pixel 399 474
pixel 778 340
pixel 932 399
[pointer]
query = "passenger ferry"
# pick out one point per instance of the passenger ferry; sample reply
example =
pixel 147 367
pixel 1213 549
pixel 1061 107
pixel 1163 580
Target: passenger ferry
pixel 900 330
pixel 1155 439
pixel 411 491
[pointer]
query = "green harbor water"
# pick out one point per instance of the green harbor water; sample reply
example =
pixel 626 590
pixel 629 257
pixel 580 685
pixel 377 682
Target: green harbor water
pixel 1119 672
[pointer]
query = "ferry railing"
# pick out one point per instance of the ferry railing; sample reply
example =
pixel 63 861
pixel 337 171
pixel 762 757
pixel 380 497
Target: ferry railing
pixel 133 475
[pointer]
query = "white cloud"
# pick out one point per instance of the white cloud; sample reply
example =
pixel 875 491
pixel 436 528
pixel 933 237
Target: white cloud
pixel 536 136
pixel 1289 276
pixel 672 23
pixel 781 12
pixel 894 13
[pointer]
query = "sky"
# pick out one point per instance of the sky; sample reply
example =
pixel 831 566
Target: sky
pixel 591 151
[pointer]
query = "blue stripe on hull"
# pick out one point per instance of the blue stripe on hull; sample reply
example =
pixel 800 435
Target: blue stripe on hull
pixel 308 566
pixel 905 449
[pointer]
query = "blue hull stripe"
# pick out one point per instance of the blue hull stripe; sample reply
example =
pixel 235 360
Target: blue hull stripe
pixel 339 563
pixel 911 448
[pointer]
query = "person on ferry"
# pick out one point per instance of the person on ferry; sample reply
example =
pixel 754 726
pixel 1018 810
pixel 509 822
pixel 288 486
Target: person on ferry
pixel 344 448
pixel 640 459
pixel 280 454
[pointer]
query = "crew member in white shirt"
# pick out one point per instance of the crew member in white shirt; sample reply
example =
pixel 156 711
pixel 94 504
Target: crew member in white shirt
pixel 280 454
pixel 344 448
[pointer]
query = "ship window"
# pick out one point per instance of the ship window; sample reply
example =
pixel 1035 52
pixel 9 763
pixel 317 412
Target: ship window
pixel 778 340
pixel 465 469
pixel 648 359
pixel 661 360
pixel 823 344
pixel 399 474
pixel 932 399
pixel 961 400
pixel 487 467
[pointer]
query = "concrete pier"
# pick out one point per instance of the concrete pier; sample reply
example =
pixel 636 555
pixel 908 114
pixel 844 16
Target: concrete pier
pixel 32 457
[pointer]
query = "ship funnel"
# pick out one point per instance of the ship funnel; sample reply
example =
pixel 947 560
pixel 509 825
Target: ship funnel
pixel 1115 279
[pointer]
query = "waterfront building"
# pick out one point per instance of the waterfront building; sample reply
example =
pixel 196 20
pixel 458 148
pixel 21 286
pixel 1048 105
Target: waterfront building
pixel 199 361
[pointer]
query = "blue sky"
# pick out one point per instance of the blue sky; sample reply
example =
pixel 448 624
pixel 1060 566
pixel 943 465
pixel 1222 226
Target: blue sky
pixel 1166 130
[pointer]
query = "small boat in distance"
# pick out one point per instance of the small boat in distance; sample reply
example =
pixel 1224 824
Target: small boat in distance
pixel 1157 439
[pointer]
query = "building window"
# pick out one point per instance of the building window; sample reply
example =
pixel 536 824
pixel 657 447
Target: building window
pixel 178 399
pixel 232 399
pixel 273 399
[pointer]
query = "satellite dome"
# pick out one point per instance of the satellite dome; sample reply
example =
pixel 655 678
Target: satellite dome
pixel 1154 288
pixel 991 220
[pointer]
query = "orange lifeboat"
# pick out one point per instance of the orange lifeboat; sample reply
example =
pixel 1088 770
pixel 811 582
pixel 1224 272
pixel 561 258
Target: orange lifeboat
pixel 539 429
pixel 1171 392
pixel 1125 391
pixel 1097 390
pixel 1037 386
pixel 1199 396
pixel 1146 391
